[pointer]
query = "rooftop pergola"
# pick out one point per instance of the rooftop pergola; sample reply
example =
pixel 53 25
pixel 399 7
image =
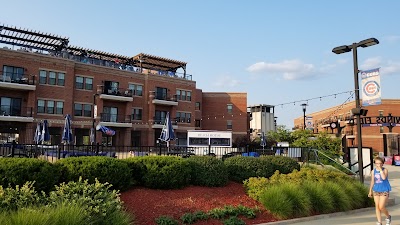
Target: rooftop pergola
pixel 49 42
pixel 32 39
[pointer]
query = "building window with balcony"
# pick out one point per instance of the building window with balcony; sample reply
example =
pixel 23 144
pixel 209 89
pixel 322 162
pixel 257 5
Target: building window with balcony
pixel 229 108
pixel 12 73
pixel 81 109
pixel 197 106
pixel 10 106
pixel 111 87
pixel 137 114
pixel 160 117
pixel 183 117
pixel 137 89
pixel 110 114
pixel 84 83
pixel 229 124
pixel 61 79
pixel 161 93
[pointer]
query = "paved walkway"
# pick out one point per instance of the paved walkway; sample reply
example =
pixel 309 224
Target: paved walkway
pixel 356 217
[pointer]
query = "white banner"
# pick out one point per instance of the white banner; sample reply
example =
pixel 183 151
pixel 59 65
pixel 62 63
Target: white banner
pixel 371 87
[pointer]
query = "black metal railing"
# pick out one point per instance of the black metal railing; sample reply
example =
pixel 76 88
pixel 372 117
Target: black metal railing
pixel 166 97
pixel 17 78
pixel 124 92
pixel 161 120
pixel 7 110
pixel 115 118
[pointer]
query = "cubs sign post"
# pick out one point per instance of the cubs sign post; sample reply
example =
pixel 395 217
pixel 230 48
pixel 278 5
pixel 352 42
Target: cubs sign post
pixel 371 89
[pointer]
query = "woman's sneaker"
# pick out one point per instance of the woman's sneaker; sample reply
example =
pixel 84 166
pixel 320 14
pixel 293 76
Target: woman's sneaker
pixel 388 220
pixel 377 223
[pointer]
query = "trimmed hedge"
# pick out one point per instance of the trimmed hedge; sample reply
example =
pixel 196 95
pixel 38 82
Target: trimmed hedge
pixel 105 169
pixel 164 172
pixel 208 171
pixel 17 171
pixel 241 168
pixel 284 164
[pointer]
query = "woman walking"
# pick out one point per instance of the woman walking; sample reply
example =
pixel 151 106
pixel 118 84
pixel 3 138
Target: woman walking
pixel 379 189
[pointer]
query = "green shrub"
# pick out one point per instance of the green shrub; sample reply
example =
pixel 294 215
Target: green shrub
pixel 105 169
pixel 165 172
pixel 241 168
pixel 284 164
pixel 166 220
pixel 228 210
pixel 341 200
pixel 17 171
pixel 233 220
pixel 57 215
pixel 190 218
pixel 208 171
pixel 255 186
pixel 19 197
pixel 137 169
pixel 364 190
pixel 286 201
pixel 357 197
pixel 97 199
pixel 321 200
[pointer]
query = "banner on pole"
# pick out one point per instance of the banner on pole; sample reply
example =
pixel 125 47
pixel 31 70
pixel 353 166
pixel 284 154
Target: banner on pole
pixel 371 87
pixel 309 123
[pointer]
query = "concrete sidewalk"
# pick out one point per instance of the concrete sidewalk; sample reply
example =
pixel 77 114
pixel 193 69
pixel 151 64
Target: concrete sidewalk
pixel 360 216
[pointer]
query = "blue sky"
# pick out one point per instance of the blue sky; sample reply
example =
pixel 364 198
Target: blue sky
pixel 276 51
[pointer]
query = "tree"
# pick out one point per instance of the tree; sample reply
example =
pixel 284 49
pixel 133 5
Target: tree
pixel 280 135
pixel 302 138
pixel 328 144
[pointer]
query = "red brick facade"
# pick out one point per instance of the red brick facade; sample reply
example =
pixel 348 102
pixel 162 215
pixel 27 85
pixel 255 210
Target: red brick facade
pixel 371 136
pixel 141 132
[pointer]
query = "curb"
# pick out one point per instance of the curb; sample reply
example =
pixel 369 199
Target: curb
pixel 325 216
pixel 318 217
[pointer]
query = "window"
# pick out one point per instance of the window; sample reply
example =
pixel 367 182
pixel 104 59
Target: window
pixel 61 79
pixel 229 124
pixel 88 83
pixel 41 106
pixel 182 117
pixel 197 123
pixel 137 89
pixel 42 77
pixel 50 107
pixel 83 110
pixel 197 106
pixel 79 82
pixel 13 73
pixel 183 95
pixel 136 114
pixel 161 93
pixel 110 114
pixel 229 108
pixel 10 106
pixel 52 78
pixel 60 108
pixel 160 116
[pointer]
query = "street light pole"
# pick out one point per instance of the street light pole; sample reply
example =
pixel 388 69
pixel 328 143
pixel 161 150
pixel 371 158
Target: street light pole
pixel 304 105
pixel 357 111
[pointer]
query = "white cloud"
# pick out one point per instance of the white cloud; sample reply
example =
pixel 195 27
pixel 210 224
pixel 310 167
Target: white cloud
pixel 288 69
pixel 226 81
pixel 391 68
pixel 392 38
pixel 371 63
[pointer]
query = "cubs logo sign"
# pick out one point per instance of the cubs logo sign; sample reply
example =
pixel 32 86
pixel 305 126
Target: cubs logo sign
pixel 371 90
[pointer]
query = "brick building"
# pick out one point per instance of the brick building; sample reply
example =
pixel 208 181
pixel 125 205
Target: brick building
pixel 43 78
pixel 375 131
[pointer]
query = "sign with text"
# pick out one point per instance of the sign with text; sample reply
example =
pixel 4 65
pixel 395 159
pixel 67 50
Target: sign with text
pixel 371 87
pixel 380 121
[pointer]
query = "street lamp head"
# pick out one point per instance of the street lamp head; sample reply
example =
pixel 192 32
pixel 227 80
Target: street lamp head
pixel 368 42
pixel 304 105
pixel 341 49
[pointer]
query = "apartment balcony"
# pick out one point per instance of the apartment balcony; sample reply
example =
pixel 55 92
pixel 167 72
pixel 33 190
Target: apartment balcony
pixel 115 120
pixel 17 81
pixel 10 114
pixel 165 100
pixel 117 94
pixel 159 123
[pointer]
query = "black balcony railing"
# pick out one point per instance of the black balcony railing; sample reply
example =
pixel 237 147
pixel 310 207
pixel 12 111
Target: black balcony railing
pixel 124 92
pixel 7 110
pixel 115 118
pixel 17 78
pixel 165 97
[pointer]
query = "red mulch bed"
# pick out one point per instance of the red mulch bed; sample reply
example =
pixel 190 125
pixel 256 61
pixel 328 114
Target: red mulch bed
pixel 148 204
